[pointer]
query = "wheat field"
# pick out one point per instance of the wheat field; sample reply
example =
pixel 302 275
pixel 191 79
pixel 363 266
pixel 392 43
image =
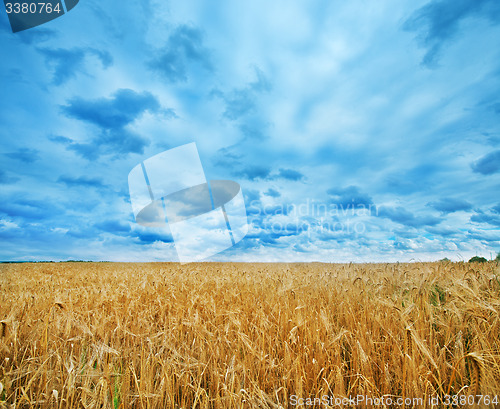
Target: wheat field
pixel 236 335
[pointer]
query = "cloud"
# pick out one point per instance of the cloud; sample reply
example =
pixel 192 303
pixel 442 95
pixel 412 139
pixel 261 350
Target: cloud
pixel 24 155
pixel 112 116
pixel 124 107
pixel 241 102
pixel 484 235
pixel 226 157
pixel 120 141
pixel 113 226
pixel 450 205
pixel 349 197
pixel 254 129
pixel 60 139
pixel 488 164
pixel 150 236
pixel 438 22
pixel 443 231
pixel 184 47
pixel 238 104
pixel 89 151
pixel 29 209
pixel 492 219
pixel 272 193
pixel 251 195
pixel 289 174
pixel 402 216
pixel 496 208
pixel 67 63
pixel 81 181
pixel 254 172
pixel 272 238
pixel 263 172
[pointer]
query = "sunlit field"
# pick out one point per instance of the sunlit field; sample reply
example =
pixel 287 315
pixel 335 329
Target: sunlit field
pixel 229 335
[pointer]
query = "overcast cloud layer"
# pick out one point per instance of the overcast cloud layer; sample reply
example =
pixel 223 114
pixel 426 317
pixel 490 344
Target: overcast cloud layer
pixel 358 131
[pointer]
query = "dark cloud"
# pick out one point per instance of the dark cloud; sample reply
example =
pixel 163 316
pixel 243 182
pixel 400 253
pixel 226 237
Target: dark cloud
pixel 81 181
pixel 488 164
pixel 184 47
pixel 67 63
pixel 104 56
pixel 401 215
pixel 112 115
pixel 60 139
pixel 251 195
pixel 272 193
pixel 29 209
pixel 442 231
pixel 113 226
pixel 269 239
pixel 124 107
pixel 407 234
pixel 254 172
pixel 254 129
pixel 263 172
pixel 149 237
pixel 450 205
pixel 226 157
pixel 89 151
pixel 117 142
pixel 24 154
pixel 492 219
pixel 241 102
pixel 349 197
pixel 438 22
pixel 486 236
pixel 289 174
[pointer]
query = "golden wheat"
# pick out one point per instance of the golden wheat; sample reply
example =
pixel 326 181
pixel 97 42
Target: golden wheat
pixel 231 335
pixel 477 370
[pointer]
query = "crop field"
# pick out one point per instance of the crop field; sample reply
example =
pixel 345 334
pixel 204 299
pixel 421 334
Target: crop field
pixel 236 335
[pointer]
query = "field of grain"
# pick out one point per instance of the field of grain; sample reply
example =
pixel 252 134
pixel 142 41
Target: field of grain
pixel 228 335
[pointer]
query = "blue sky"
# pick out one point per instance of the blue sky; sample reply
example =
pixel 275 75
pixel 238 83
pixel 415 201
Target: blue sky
pixel 358 131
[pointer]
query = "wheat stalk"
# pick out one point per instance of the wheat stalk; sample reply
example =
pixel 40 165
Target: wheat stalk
pixel 477 367
pixel 408 343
